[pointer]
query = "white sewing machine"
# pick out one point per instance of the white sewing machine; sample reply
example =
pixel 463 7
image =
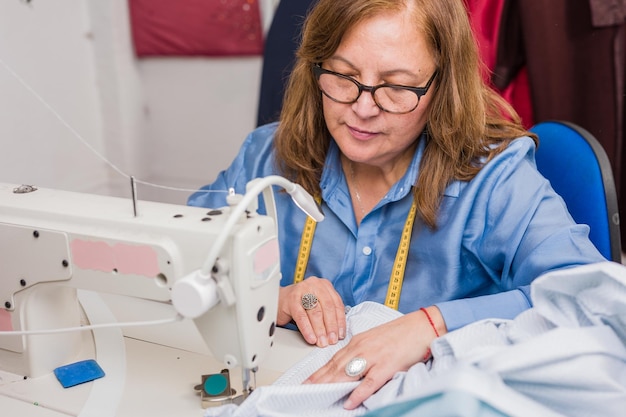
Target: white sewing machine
pixel 217 267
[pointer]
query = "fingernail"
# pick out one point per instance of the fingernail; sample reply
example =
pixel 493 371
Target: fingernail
pixel 333 338
pixel 348 405
pixel 322 341
pixel 342 334
pixel 311 338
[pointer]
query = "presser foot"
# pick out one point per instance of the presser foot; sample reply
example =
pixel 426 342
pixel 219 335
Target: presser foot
pixel 215 390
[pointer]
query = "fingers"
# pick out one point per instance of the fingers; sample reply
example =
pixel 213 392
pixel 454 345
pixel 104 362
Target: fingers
pixel 368 386
pixel 333 370
pixel 345 366
pixel 310 322
pixel 328 318
pixel 321 323
pixel 374 356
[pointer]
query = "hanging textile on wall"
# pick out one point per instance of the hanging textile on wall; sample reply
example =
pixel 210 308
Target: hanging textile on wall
pixel 281 42
pixel 486 17
pixel 196 27
pixel 575 55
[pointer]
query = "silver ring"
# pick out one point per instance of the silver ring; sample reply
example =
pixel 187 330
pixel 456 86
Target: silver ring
pixel 356 367
pixel 309 301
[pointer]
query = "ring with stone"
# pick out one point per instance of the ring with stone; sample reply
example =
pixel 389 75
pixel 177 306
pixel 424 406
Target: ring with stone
pixel 356 367
pixel 309 301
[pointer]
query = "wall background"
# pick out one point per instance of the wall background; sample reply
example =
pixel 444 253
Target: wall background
pixel 68 73
pixel 72 93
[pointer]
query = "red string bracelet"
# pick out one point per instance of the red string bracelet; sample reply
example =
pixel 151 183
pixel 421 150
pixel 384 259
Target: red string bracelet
pixel 430 320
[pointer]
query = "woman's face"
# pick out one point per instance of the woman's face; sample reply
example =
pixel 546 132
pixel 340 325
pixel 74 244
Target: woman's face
pixel 383 49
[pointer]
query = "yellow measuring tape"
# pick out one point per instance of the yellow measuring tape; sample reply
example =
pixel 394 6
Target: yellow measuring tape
pixel 305 249
pixel 306 241
pixel 399 265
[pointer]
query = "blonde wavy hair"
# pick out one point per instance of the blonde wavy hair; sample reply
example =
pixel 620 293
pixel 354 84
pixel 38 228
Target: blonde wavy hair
pixel 468 122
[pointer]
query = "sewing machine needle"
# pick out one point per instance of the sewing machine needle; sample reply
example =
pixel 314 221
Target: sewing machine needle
pixel 133 190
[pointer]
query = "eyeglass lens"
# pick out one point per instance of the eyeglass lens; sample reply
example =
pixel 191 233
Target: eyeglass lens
pixel 345 90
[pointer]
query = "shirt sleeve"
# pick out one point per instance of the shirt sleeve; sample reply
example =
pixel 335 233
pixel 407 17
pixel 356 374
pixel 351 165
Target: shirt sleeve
pixel 505 305
pixel 525 231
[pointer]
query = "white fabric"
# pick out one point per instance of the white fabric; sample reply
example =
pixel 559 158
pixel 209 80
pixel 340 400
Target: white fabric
pixel 565 356
pixel 287 397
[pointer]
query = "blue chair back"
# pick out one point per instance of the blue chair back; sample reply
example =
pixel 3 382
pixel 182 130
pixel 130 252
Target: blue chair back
pixel 578 169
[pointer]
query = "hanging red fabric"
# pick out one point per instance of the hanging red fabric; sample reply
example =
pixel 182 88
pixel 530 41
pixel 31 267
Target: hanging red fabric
pixel 196 27
pixel 485 17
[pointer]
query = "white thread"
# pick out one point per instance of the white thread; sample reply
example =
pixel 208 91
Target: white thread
pixel 84 142
pixel 175 319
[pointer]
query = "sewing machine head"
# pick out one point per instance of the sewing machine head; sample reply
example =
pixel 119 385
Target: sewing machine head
pixel 52 242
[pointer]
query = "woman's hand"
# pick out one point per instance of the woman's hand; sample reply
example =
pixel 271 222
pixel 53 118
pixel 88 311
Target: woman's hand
pixel 322 325
pixel 389 348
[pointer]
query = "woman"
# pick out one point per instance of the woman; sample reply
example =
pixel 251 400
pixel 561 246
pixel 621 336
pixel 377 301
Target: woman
pixel 433 203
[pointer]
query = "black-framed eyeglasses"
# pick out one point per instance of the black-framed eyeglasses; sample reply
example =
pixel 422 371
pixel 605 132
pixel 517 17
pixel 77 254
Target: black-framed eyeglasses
pixel 392 98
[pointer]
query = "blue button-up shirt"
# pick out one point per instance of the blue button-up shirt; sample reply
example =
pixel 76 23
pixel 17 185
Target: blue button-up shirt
pixel 495 234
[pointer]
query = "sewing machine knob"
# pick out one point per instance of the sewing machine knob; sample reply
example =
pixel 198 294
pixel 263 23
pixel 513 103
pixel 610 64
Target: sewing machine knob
pixel 194 295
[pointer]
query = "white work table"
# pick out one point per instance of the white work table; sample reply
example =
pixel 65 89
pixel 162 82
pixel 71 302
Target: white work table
pixel 157 380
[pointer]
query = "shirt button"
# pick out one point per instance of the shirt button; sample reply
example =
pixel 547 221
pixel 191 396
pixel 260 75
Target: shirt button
pixel 367 251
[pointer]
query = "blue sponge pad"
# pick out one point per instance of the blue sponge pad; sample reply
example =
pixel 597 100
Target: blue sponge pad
pixel 78 373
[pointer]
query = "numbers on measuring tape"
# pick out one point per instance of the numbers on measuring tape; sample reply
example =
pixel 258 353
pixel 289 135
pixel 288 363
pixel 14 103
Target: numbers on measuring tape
pixel 306 241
